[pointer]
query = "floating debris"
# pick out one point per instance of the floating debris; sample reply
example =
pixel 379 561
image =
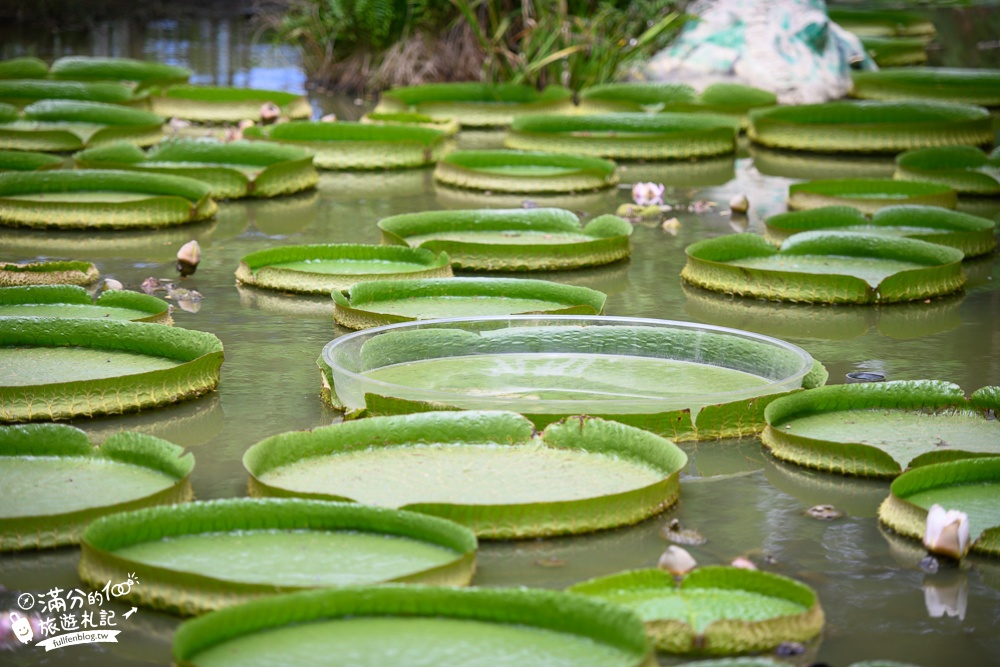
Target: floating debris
pixel 671 226
pixel 824 512
pixel 673 532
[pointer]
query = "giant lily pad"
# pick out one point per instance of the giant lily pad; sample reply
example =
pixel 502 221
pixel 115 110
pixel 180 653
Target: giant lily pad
pixel 55 368
pixel 870 127
pixel 376 303
pixel 22 92
pixel 636 136
pixel 731 99
pixel 486 470
pixel 412 625
pixel 882 22
pixel 965 168
pixel 654 374
pixel 75 301
pixel 825 267
pixel 62 125
pixel 218 104
pixel 192 558
pixel 804 165
pixel 869 195
pixel 28 161
pixel 47 273
pixel 358 145
pixel 318 269
pixel 232 170
pixel 966 86
pixel 142 72
pixel 57 482
pixel 512 239
pixel 714 610
pixel 879 429
pixel 968 485
pixel 101 199
pixel 971 234
pixel 476 104
pixel 896 51
pixel 522 171
pixel 449 126
pixel 23 68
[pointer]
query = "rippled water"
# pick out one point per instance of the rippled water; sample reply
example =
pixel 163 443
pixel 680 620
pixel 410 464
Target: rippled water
pixel 739 498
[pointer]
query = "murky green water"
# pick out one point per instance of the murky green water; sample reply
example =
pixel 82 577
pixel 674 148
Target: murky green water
pixel 878 603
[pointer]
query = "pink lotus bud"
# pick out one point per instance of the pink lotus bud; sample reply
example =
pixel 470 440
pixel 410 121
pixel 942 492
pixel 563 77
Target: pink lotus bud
pixel 743 563
pixel 269 112
pixel 676 561
pixel 947 532
pixel 188 258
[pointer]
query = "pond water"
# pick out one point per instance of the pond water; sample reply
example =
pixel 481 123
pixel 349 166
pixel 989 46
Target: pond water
pixel 878 603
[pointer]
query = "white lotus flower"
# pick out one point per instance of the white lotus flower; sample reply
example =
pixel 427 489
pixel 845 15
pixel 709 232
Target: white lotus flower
pixel 947 532
pixel 677 561
pixel 648 194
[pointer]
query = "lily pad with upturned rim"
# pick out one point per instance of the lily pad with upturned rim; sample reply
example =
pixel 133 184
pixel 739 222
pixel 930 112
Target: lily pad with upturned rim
pixel 825 267
pixel 48 273
pixel 525 171
pixel 968 485
pixel 972 235
pixel 967 169
pixel 730 99
pixel 869 195
pixel 101 199
pixel 56 481
pixel 142 72
pixel 882 22
pixel 476 104
pixel 512 239
pixel 219 104
pixel 192 558
pixel 28 161
pixel 320 269
pixel 65 125
pixel 979 86
pixel 22 92
pixel 385 302
pixel 896 51
pixel 75 301
pixel 715 610
pixel 232 170
pixel 487 470
pixel 449 126
pixel 54 368
pixel 23 68
pixel 880 429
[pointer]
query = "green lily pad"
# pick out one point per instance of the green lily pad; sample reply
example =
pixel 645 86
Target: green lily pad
pixel 232 170
pixel 636 136
pixel 896 51
pixel 519 171
pixel 870 127
pixel 28 161
pixel 969 485
pixel 219 104
pixel 101 199
pixel 965 168
pixel 476 104
pixel 825 267
pixel 878 429
pixel 128 471
pixel 979 86
pixel 512 239
pixel 75 301
pixel 449 126
pixel 376 303
pixel 716 610
pixel 22 92
pixel 142 72
pixel 869 195
pixel 804 165
pixel 320 269
pixel 972 235
pixel 690 174
pixel 192 558
pixel 634 96
pixel 23 68
pixel 55 368
pixel 358 145
pixel 486 470
pixel 882 22
pixel 64 125
pixel 48 273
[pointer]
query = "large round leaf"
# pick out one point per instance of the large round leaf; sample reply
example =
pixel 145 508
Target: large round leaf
pixel 22 92
pixel 28 161
pixel 219 104
pixel 965 86
pixel 75 301
pixel 143 72
pixel 48 273
pixel 67 125
pixel 449 126
pixel 882 22
pixel 23 68
pixel 524 171
pixel 869 195
pixel 965 168
pixel 476 104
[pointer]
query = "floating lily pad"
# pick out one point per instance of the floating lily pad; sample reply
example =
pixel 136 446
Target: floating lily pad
pixel 965 86
pixel 654 374
pixel 825 267
pixel 636 136
pixel 192 558
pixel 386 302
pixel 972 235
pixel 486 470
pixel 520 171
pixel 319 269
pixel 804 165
pixel 56 481
pixel 714 610
pixel 358 145
pixel 731 99
pixel 680 174
pixel 449 126
pixel 142 72
pixel 54 368
pixel 219 104
pixel 22 92
pixel 62 125
pixel 232 170
pixel 75 301
pixel 869 195
pixel 896 51
pixel 476 104
pixel 968 485
pixel 101 199
pixel 23 68
pixel 965 168
pixel 870 127
pixel 882 22
pixel 47 273
pixel 28 161
pixel 512 239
